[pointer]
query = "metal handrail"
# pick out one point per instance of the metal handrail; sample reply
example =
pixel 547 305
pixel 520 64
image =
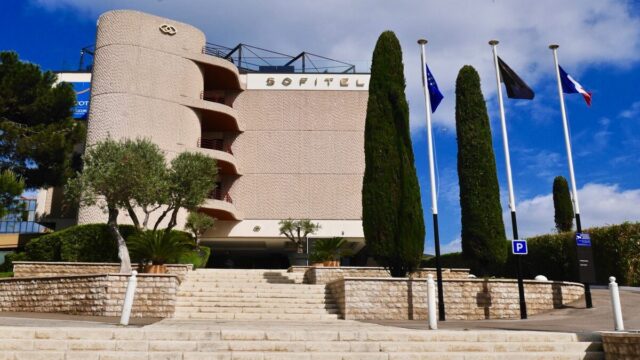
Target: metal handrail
pixel 210 95
pixel 250 58
pixel 214 144
pixel 216 194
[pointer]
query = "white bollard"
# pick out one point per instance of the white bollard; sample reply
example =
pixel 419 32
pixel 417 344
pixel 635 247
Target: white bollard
pixel 615 304
pixel 128 299
pixel 431 302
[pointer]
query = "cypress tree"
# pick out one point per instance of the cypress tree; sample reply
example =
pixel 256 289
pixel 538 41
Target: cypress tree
pixel 392 215
pixel 562 205
pixel 483 236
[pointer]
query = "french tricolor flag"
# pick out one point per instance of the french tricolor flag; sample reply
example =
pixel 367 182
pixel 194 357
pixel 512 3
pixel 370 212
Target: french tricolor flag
pixel 571 86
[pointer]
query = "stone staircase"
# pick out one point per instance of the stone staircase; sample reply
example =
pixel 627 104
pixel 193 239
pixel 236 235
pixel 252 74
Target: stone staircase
pixel 268 340
pixel 217 294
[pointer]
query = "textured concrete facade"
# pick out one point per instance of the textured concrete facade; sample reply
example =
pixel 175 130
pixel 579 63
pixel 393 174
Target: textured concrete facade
pixel 282 153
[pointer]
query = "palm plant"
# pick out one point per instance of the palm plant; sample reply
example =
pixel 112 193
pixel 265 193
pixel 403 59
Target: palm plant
pixel 159 247
pixel 331 249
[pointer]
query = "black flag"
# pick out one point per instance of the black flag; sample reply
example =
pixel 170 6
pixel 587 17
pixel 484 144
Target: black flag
pixel 516 88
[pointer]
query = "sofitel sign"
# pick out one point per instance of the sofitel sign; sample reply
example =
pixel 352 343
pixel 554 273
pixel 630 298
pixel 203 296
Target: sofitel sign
pixel 308 81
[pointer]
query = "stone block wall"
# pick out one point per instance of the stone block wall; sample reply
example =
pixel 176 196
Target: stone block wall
pixel 468 299
pixel 325 275
pixel 42 268
pixel 98 295
pixel 621 345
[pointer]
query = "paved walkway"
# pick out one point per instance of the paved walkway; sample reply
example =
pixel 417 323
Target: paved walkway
pixel 571 319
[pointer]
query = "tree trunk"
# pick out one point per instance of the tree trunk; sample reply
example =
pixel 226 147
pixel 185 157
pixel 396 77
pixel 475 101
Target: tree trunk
pixel 173 221
pixel 133 216
pixel 123 252
pixel 161 217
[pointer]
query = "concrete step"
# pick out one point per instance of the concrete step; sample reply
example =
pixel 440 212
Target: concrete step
pixel 244 281
pixel 252 285
pixel 249 316
pixel 260 304
pixel 253 294
pixel 342 331
pixel 255 310
pixel 245 355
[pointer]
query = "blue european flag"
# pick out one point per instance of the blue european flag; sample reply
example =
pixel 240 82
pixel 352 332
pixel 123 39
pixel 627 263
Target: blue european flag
pixel 435 96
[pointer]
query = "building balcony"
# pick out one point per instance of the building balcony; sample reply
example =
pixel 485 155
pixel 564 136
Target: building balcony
pixel 215 116
pixel 220 206
pixel 217 71
pixel 221 152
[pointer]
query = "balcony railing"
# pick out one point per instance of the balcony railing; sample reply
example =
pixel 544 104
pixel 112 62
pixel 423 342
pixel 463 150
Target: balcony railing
pixel 217 194
pixel 214 96
pixel 214 144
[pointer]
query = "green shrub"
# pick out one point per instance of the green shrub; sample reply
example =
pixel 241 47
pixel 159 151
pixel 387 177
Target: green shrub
pixel 197 257
pixel 616 252
pixel 452 260
pixel 43 248
pixel 6 274
pixel 7 266
pixel 90 243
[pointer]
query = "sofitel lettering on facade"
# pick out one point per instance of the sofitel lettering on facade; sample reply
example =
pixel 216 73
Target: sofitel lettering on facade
pixel 357 82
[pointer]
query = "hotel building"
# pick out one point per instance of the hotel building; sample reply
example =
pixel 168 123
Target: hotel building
pixel 288 138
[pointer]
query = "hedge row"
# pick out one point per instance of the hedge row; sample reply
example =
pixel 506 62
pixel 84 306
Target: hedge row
pixel 87 243
pixel 82 243
pixel 616 252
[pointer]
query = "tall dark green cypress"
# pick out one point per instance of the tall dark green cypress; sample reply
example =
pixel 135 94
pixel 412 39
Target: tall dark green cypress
pixel 392 215
pixel 562 205
pixel 483 237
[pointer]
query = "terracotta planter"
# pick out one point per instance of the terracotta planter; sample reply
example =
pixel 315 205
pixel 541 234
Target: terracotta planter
pixel 155 269
pixel 332 263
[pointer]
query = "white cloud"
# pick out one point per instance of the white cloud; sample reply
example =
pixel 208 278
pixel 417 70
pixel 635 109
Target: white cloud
pixel 454 245
pixel 600 204
pixel 632 112
pixel 590 32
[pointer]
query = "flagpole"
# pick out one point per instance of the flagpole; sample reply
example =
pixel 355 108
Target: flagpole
pixel 432 178
pixel 512 201
pixel 572 177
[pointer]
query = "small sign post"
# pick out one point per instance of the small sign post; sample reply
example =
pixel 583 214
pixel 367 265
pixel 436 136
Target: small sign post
pixel 586 270
pixel 519 247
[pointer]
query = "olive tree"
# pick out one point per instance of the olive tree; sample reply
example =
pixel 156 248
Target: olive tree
pixel 191 177
pixel 116 175
pixel 297 231
pixel 198 223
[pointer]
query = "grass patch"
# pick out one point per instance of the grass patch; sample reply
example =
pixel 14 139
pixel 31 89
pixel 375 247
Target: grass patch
pixel 6 274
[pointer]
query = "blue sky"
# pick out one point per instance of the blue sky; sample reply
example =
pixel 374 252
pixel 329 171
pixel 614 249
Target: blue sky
pixel 600 47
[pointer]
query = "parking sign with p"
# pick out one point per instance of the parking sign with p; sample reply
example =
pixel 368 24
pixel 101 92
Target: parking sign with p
pixel 519 247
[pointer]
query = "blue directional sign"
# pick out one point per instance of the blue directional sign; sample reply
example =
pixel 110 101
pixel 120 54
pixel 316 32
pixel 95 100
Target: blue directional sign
pixel 583 239
pixel 519 247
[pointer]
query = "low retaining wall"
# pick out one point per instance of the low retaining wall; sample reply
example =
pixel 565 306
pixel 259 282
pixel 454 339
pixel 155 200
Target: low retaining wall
pixel 621 345
pixel 43 268
pixel 325 275
pixel 99 295
pixel 469 299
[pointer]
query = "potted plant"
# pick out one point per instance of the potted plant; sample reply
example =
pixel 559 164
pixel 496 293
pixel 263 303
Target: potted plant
pixel 156 248
pixel 317 259
pixel 297 231
pixel 331 250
